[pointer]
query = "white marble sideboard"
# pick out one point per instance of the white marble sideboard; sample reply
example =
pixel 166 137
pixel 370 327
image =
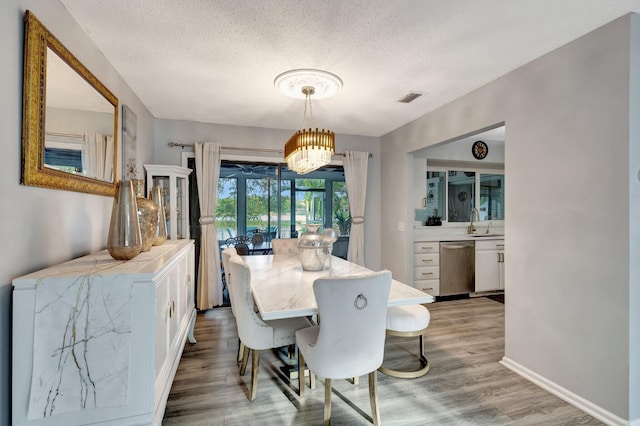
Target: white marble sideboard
pixel 98 341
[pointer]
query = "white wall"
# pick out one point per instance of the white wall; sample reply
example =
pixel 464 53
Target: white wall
pixel 42 227
pixel 567 162
pixel 254 137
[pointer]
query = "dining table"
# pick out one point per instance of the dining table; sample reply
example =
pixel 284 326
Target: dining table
pixel 281 289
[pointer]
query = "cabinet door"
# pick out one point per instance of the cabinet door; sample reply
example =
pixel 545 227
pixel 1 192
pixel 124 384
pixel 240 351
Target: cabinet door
pixel 501 269
pixel 188 284
pixel 174 305
pixel 161 323
pixel 487 270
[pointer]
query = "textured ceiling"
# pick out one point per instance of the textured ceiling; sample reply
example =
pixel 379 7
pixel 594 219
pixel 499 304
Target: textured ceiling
pixel 215 60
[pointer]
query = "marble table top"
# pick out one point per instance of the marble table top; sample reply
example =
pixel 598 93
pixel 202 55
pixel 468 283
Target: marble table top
pixel 281 289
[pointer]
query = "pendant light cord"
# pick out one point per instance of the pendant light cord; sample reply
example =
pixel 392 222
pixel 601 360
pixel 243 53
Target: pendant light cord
pixel 308 91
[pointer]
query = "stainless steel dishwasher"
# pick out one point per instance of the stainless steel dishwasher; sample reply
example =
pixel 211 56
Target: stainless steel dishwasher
pixel 457 267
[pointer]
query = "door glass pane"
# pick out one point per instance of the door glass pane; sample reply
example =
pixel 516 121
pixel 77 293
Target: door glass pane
pixel 226 219
pixel 257 199
pixel 491 197
pixel 309 202
pixel 461 195
pixel 285 210
pixel 341 216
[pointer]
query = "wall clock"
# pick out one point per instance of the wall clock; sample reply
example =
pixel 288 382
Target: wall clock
pixel 479 150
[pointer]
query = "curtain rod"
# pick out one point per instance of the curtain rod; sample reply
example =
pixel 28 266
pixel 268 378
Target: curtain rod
pixel 231 148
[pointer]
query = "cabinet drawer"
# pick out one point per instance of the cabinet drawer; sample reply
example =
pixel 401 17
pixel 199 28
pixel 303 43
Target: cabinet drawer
pixel 426 272
pixel 426 259
pixel 490 245
pixel 426 247
pixel 431 287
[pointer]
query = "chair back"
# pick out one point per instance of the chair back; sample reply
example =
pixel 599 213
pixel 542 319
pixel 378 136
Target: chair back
pixel 285 246
pixel 257 239
pixel 242 249
pixel 227 254
pixel 353 321
pixel 252 330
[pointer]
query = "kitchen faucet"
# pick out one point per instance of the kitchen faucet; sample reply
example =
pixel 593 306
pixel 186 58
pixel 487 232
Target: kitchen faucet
pixel 489 227
pixel 471 228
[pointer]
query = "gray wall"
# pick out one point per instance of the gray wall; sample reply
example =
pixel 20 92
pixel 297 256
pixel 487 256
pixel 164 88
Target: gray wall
pixel 254 137
pixel 42 227
pixel 571 159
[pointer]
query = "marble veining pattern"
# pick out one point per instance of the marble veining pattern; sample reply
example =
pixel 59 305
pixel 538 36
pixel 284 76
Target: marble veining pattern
pixel 281 289
pixel 81 341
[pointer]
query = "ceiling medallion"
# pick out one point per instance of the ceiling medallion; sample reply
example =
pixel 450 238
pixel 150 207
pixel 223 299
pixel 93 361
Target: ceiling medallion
pixel 291 83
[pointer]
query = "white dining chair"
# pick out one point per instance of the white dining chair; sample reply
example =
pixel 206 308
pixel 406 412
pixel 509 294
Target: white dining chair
pixel 349 341
pixel 227 254
pixel 285 246
pixel 256 334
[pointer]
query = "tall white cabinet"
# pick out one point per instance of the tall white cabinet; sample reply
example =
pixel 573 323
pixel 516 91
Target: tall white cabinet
pixel 174 181
pixel 98 341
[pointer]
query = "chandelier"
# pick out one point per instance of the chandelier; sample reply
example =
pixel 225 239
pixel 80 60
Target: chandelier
pixel 308 149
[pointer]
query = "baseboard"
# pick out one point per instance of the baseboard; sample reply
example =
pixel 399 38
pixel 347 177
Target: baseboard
pixel 568 396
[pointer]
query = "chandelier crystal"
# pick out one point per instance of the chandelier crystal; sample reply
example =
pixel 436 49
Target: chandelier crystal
pixel 308 149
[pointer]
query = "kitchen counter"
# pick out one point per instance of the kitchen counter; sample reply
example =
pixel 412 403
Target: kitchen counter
pixel 458 237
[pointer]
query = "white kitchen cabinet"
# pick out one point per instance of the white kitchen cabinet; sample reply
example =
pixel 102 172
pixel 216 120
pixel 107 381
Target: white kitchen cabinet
pixel 426 266
pixel 174 181
pixel 489 265
pixel 102 335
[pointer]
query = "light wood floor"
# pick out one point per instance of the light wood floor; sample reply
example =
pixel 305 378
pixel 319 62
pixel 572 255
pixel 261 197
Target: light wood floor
pixel 466 384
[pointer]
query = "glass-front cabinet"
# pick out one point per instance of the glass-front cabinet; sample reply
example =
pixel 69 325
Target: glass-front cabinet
pixel 174 181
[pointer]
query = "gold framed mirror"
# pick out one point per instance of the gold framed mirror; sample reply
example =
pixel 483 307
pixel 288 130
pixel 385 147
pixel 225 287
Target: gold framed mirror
pixel 70 119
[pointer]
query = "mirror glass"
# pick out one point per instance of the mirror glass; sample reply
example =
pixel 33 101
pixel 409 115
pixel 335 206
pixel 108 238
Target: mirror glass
pixel 70 119
pixel 79 124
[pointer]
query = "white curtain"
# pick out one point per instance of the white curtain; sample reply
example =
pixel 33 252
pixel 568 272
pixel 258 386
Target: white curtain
pixel 97 156
pixel 207 174
pixel 355 174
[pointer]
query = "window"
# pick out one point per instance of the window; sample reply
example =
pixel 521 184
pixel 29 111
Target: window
pixel 491 197
pixel 269 198
pixel 452 194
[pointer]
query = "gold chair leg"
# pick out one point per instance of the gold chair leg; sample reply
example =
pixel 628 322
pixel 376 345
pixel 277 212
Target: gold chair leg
pixel 245 360
pixel 312 379
pixel 373 396
pixel 424 362
pixel 241 350
pixel 300 373
pixel 255 361
pixel 327 402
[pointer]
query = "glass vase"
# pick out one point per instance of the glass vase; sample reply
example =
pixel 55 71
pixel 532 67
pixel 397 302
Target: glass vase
pixel 160 235
pixel 124 240
pixel 147 216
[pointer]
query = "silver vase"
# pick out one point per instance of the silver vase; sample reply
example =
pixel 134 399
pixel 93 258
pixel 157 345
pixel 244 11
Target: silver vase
pixel 124 240
pixel 160 235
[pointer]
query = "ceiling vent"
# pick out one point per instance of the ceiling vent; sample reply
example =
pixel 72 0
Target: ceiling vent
pixel 410 97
